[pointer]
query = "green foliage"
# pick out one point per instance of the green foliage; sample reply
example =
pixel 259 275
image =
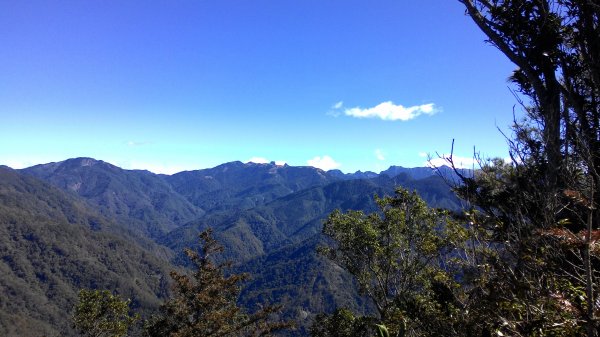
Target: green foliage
pixel 102 314
pixel 400 257
pixel 205 302
pixel 341 323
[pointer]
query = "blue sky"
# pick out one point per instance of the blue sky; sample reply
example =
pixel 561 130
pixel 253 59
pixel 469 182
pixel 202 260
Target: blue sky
pixel 180 85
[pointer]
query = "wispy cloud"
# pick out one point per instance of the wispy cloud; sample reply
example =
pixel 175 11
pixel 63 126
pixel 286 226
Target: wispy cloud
pixel 325 163
pixel 388 111
pixel 335 109
pixel 379 154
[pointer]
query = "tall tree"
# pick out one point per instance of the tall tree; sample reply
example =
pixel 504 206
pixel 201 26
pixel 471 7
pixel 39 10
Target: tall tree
pixel 556 46
pixel 205 302
pixel 539 215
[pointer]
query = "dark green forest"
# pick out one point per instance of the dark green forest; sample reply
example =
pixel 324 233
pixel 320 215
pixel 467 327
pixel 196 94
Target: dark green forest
pixel 507 249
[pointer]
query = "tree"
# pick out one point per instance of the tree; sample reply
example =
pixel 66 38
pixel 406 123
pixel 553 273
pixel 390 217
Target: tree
pixel 341 323
pixel 102 314
pixel 537 219
pixel 204 303
pixel 401 258
pixel 556 46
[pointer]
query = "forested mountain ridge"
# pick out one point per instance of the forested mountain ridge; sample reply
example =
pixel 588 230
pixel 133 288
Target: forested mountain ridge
pixel 51 245
pixel 140 197
pixel 268 217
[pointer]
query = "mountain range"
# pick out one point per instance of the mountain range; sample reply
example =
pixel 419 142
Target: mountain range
pixel 84 223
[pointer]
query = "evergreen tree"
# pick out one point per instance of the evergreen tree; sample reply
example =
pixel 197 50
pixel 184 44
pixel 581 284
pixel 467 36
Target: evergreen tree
pixel 204 303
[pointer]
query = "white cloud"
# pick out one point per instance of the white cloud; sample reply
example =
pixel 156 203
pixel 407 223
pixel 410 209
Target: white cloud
pixel 459 162
pixel 391 112
pixel 262 160
pixel 423 154
pixel 257 160
pixel 379 154
pixel 335 110
pixel 325 163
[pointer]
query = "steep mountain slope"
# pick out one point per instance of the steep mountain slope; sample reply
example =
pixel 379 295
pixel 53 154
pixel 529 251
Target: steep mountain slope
pixel 250 233
pixel 305 283
pixel 141 198
pixel 51 245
